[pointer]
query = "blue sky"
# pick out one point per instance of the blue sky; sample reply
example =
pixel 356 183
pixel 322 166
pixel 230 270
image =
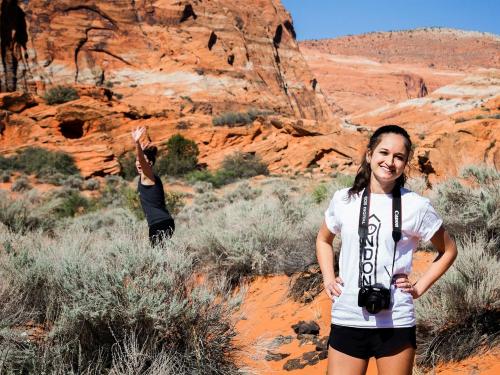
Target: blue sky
pixel 316 19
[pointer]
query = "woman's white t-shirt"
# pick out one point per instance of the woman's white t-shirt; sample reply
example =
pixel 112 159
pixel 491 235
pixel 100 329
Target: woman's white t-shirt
pixel 420 221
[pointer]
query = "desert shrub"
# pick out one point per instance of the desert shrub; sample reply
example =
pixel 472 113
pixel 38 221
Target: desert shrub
pixel 202 202
pixel 117 193
pixel 482 174
pixel 60 94
pixel 41 211
pixel 43 163
pixel 266 235
pixel 73 182
pixel 459 315
pixel 69 203
pixel 21 184
pixel 417 184
pixel 5 176
pixel 325 191
pixel 127 166
pixel 7 163
pixel 243 192
pixel 28 212
pixel 216 179
pixel 232 119
pixel 341 181
pixel 174 201
pixel 91 184
pixel 306 285
pixel 109 303
pixel 467 210
pixel 239 118
pixel 234 166
pixel 182 157
pixel 320 193
pixel 131 201
pixel 111 194
pixel 244 165
pixel 53 178
pixel 202 186
pixel 104 220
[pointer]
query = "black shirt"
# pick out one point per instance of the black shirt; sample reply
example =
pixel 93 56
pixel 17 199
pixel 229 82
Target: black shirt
pixel 153 201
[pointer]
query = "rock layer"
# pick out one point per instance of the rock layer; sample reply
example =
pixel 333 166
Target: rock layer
pixel 223 53
pixel 367 71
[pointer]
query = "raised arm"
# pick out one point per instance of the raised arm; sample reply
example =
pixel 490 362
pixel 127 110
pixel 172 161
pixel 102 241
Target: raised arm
pixel 447 249
pixel 146 167
pixel 325 255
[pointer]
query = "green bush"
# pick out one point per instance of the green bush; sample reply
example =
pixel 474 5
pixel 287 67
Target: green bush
pixel 60 94
pixel 467 210
pixel 21 184
pixel 277 235
pixel 41 162
pixel 174 201
pixel 127 166
pixel 232 119
pixel 56 178
pixel 216 179
pixel 7 164
pixel 73 182
pixel 243 192
pixel 482 174
pixel 239 118
pixel 5 176
pixel 244 165
pixel 71 203
pixel 132 201
pixel 91 184
pixel 461 311
pixel 28 212
pixel 320 193
pixel 235 166
pixel 110 304
pixel 181 158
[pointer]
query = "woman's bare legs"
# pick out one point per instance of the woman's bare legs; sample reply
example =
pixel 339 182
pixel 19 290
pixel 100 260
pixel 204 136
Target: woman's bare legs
pixel 343 364
pixel 397 364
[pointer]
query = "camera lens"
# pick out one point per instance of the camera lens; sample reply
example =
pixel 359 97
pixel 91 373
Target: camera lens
pixel 373 303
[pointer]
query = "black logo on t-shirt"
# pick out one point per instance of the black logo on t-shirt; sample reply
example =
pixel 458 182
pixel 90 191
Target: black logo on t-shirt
pixel 369 257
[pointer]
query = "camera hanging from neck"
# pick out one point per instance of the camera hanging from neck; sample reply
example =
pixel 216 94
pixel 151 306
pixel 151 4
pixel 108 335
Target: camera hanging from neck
pixel 364 215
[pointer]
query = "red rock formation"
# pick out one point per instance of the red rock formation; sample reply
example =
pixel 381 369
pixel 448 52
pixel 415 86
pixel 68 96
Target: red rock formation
pixel 455 126
pixel 228 55
pixel 178 64
pixel 364 72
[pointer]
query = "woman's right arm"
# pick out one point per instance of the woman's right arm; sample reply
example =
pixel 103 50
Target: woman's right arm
pixel 324 252
pixel 145 166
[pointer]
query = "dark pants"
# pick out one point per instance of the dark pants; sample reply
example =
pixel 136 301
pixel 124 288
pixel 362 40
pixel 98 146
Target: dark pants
pixel 160 231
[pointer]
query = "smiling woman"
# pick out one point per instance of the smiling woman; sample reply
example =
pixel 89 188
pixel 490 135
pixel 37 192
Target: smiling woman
pixel 380 223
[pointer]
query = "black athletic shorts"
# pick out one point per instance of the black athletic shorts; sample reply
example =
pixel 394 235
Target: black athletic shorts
pixel 371 342
pixel 158 231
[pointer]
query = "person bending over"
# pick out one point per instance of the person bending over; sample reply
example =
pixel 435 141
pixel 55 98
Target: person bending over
pixel 380 224
pixel 150 189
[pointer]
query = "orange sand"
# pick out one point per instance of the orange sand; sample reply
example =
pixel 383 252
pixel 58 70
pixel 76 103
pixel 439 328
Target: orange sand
pixel 267 312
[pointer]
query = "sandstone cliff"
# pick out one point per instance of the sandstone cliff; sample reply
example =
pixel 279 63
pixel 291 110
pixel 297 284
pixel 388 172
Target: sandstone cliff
pixel 364 72
pixel 173 66
pixel 221 54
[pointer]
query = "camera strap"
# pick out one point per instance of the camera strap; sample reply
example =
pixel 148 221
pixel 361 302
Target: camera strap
pixel 364 215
